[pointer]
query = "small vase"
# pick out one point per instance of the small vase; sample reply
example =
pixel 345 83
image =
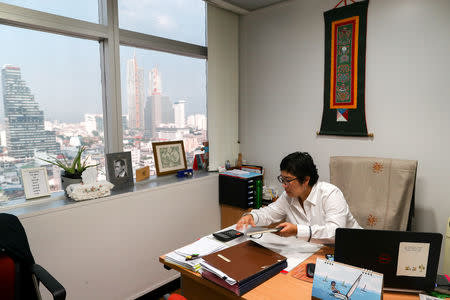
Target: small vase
pixel 66 181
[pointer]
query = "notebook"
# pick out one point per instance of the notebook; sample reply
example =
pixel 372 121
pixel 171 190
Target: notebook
pixel 408 260
pixel 242 267
pixel 333 280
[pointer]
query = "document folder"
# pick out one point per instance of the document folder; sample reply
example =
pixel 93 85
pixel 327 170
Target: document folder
pixel 248 263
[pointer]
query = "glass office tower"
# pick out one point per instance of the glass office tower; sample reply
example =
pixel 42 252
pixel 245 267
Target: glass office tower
pixel 24 122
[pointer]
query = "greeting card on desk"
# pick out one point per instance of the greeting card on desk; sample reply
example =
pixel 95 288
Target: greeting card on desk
pixel 336 280
pixel 242 267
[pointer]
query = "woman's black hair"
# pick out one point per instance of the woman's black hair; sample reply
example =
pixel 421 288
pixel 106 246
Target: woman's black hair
pixel 300 164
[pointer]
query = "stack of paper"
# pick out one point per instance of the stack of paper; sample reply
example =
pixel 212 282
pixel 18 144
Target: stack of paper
pixel 296 250
pixel 201 247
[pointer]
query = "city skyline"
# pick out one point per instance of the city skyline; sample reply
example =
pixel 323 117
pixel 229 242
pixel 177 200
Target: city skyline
pixel 198 107
pixel 64 72
pixel 29 138
pixel 56 103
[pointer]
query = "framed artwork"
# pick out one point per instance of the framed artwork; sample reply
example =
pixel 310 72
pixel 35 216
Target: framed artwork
pixel 169 157
pixel 119 170
pixel 35 182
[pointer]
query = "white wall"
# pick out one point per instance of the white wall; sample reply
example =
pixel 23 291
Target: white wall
pixel 109 248
pixel 407 92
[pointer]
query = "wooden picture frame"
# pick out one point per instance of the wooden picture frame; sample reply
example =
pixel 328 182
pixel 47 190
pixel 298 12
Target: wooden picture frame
pixel 169 157
pixel 119 169
pixel 142 173
pixel 35 182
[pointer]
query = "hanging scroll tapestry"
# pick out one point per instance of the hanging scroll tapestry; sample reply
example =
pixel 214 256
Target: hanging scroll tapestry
pixel 345 69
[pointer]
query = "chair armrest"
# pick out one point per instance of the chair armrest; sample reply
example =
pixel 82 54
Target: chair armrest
pixel 52 285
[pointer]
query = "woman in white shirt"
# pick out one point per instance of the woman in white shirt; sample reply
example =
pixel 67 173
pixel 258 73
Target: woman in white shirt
pixel 312 210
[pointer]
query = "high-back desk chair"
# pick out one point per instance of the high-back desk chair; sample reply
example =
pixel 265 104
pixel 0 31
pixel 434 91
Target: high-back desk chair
pixel 379 191
pixel 19 274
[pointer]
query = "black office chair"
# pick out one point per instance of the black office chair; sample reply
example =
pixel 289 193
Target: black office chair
pixel 19 274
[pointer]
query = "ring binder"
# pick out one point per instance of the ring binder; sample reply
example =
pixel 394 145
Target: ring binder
pixel 250 264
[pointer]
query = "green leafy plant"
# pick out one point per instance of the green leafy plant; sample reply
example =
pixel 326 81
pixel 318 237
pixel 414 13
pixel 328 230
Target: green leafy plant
pixel 72 169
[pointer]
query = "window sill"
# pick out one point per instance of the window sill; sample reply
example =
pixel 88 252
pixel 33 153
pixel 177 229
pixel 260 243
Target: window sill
pixel 59 200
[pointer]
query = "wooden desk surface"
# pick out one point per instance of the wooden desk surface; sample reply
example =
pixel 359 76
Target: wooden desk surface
pixel 281 286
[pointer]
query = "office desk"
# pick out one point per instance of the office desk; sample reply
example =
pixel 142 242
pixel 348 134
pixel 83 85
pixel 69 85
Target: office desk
pixel 281 286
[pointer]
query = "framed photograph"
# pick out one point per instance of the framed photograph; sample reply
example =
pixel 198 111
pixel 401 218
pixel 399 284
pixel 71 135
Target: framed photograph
pixel 169 157
pixel 119 170
pixel 35 183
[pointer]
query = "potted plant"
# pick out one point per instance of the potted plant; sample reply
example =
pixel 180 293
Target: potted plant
pixel 71 171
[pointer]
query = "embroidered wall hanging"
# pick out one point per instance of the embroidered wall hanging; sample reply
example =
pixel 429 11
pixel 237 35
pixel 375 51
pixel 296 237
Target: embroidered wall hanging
pixel 345 69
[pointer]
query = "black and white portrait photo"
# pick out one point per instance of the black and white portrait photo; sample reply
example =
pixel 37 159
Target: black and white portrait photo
pixel 119 169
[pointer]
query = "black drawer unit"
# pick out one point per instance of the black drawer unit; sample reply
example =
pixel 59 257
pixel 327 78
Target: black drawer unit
pixel 238 191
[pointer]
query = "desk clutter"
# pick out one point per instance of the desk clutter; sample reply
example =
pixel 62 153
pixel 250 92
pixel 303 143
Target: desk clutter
pixel 233 265
pixel 190 256
pixel 238 268
pixel 241 264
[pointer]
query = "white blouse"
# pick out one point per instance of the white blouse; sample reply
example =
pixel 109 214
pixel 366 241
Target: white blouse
pixel 325 210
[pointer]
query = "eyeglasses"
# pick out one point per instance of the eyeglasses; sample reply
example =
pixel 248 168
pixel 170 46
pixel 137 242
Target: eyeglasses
pixel 285 181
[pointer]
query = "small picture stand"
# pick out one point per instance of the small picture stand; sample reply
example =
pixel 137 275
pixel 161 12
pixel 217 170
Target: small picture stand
pixel 142 173
pixel 35 183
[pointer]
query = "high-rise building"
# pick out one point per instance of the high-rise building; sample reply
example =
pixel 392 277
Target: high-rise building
pixel 93 122
pixel 135 94
pixel 197 121
pixel 125 122
pixel 158 108
pixel 178 108
pixel 155 82
pixel 25 132
pixel 148 117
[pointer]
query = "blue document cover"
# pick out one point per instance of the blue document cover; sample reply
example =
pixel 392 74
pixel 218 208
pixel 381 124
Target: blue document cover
pixel 241 174
pixel 333 280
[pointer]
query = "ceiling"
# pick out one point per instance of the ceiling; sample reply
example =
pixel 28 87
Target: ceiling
pixel 244 6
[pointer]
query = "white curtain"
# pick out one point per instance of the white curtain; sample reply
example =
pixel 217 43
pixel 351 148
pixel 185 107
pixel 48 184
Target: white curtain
pixel 223 86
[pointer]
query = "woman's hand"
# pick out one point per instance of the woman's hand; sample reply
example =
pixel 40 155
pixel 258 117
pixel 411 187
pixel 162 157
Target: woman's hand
pixel 289 229
pixel 244 222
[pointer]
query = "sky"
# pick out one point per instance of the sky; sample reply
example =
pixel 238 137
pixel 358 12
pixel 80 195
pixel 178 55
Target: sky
pixel 64 73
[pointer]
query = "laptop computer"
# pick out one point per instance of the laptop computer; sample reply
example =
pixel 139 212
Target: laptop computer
pixel 408 260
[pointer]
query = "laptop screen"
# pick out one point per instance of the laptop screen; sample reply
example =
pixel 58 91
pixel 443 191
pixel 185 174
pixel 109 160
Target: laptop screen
pixel 408 260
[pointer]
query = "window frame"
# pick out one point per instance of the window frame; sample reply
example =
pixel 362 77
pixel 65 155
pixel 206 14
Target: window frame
pixel 110 38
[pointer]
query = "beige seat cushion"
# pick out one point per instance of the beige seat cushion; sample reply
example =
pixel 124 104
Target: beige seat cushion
pixel 379 191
